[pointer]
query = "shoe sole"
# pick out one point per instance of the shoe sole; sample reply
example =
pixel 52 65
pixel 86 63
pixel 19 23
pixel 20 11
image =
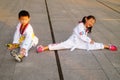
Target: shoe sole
pixel 14 54
pixel 18 59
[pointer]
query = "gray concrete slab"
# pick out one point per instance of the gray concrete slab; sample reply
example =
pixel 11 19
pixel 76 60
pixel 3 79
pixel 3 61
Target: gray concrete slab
pixel 64 14
pixel 114 4
pixel 35 66
pixel 81 64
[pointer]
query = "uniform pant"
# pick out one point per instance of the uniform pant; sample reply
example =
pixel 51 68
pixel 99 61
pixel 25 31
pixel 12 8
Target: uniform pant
pixel 72 44
pixel 33 43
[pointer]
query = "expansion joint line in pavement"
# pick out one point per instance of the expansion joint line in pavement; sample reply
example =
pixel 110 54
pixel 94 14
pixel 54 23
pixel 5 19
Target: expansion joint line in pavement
pixel 53 39
pixel 108 6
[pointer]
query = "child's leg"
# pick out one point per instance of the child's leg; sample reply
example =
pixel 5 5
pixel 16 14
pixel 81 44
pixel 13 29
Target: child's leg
pixel 94 46
pixel 21 55
pixel 106 46
pixel 46 48
pixel 35 41
pixel 63 45
pixel 97 46
pixel 23 52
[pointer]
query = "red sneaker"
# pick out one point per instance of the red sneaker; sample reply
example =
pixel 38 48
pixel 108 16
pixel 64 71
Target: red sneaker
pixel 40 48
pixel 112 48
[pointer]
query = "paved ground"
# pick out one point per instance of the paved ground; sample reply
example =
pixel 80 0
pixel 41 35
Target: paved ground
pixel 113 4
pixel 62 65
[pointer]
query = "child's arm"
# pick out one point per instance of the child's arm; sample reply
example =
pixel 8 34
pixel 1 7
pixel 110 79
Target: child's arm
pixel 84 37
pixel 81 33
pixel 16 35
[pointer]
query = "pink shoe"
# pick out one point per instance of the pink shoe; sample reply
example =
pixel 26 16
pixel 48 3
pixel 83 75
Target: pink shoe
pixel 40 48
pixel 112 48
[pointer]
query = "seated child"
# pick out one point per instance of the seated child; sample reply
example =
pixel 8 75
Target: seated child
pixel 79 39
pixel 24 36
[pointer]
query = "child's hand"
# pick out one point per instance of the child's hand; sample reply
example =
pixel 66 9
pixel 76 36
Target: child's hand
pixel 23 51
pixel 92 42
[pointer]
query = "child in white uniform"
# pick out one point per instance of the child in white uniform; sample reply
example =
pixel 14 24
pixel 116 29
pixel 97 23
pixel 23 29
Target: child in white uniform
pixel 24 36
pixel 79 38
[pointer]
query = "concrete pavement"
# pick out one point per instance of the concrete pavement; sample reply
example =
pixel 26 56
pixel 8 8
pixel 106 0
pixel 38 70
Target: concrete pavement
pixel 112 4
pixel 64 16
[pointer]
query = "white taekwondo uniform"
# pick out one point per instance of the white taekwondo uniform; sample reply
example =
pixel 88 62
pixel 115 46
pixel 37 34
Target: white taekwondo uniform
pixel 78 39
pixel 27 39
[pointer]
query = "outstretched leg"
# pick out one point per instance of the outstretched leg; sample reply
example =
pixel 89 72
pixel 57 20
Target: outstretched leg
pixel 59 46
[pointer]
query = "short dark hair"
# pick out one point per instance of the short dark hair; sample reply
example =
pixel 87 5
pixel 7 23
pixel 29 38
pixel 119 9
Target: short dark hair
pixel 23 13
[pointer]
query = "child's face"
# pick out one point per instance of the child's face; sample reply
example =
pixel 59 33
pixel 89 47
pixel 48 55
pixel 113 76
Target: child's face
pixel 90 22
pixel 24 20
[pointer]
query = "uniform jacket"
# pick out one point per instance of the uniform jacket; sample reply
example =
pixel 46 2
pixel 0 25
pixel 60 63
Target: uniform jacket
pixel 28 34
pixel 81 32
